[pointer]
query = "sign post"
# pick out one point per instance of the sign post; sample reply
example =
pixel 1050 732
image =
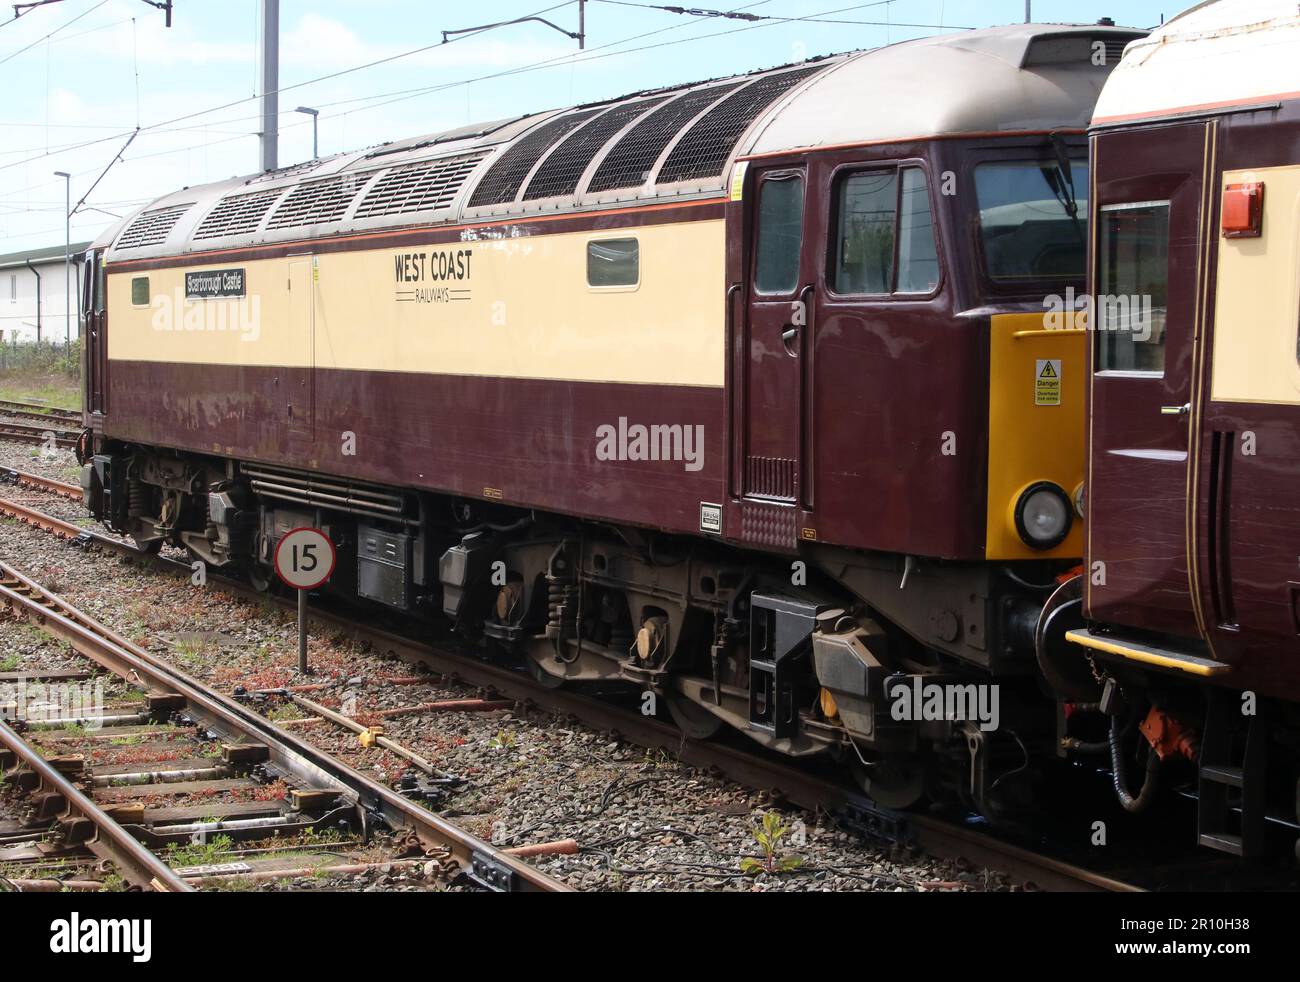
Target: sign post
pixel 304 560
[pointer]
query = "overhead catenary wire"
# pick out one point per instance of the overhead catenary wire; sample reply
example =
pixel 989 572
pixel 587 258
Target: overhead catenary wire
pixel 29 46
pixel 593 54
pixel 203 112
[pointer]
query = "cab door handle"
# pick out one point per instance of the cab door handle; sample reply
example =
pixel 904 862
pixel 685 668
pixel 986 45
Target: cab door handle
pixel 1183 410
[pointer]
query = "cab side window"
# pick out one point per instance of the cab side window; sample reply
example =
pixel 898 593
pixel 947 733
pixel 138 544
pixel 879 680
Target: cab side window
pixel 780 234
pixel 885 234
pixel 101 284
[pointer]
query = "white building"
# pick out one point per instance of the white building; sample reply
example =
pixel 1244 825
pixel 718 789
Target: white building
pixel 26 311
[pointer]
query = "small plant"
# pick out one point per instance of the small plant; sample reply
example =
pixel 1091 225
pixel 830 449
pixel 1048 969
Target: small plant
pixel 215 850
pixel 114 883
pixel 189 649
pixel 9 663
pixel 769 836
pixel 504 740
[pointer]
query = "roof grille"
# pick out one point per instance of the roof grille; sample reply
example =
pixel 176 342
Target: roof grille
pixel 563 169
pixel 152 227
pixel 628 164
pixel 425 186
pixel 501 182
pixel 293 170
pixel 317 202
pixel 704 149
pixel 236 214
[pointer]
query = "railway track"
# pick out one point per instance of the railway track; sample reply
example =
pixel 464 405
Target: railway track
pixel 35 411
pixel 940 838
pixel 213 759
pixel 36 433
pixel 37 482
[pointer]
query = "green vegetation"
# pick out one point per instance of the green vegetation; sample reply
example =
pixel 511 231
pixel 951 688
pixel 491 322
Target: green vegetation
pixel 45 371
pixel 216 850
pixel 769 836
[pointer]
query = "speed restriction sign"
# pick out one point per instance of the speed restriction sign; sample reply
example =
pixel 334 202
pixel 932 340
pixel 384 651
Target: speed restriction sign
pixel 304 558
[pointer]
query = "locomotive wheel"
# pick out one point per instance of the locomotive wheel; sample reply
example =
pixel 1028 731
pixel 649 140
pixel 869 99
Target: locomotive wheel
pixel 894 782
pixel 150 548
pixel 692 719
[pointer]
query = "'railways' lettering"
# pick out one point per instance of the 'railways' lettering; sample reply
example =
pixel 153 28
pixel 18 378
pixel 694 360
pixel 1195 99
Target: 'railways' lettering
pixel 423 267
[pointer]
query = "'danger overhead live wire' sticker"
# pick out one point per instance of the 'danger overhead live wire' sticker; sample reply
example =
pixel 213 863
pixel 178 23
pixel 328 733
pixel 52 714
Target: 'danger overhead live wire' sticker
pixel 1047 382
pixel 738 180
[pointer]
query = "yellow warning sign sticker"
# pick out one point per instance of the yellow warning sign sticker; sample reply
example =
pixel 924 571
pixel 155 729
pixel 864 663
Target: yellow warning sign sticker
pixel 1047 382
pixel 738 180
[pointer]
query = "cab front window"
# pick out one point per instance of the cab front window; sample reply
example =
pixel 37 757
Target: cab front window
pixel 1033 219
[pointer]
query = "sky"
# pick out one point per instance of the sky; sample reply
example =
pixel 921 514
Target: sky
pixel 79 76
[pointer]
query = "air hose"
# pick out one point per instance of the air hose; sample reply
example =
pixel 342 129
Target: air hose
pixel 1148 792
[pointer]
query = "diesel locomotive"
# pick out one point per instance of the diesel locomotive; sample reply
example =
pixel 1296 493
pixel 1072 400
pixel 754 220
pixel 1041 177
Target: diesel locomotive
pixel 762 395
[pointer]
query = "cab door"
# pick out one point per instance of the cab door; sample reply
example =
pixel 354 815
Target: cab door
pixel 1149 244
pixel 776 329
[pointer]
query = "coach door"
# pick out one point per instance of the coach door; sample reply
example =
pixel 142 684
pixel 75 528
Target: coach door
pixel 1149 242
pixel 774 344
pixel 95 331
pixel 299 389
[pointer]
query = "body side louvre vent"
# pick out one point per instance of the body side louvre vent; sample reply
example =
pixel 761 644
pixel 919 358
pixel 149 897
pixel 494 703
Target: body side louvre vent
pixel 501 183
pixel 705 148
pixel 317 202
pixel 629 162
pixel 152 227
pixel 563 169
pixel 237 214
pixel 426 186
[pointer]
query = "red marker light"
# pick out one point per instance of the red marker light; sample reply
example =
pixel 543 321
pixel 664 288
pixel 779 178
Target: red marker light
pixel 1243 210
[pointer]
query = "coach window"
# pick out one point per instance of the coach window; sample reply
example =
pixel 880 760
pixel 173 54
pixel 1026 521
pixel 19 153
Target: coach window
pixel 780 234
pixel 885 234
pixel 140 291
pixel 101 284
pixel 1133 287
pixel 613 262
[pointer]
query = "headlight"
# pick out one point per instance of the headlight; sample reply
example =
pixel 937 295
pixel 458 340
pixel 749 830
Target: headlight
pixel 1043 515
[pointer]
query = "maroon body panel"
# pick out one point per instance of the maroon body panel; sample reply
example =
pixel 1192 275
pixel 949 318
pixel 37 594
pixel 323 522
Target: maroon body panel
pixel 529 442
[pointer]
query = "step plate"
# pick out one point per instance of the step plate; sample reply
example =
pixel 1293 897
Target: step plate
pixel 1149 654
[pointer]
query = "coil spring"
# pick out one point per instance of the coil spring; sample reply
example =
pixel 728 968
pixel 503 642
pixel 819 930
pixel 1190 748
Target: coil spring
pixel 135 499
pixel 561 606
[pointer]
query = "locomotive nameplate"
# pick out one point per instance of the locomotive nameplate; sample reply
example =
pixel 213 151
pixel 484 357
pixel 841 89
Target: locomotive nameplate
pixel 215 284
